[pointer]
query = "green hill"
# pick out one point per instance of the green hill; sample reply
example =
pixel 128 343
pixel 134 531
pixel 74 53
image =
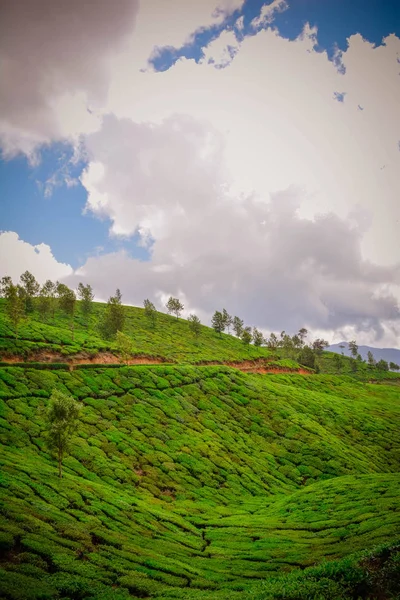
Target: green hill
pixel 170 340
pixel 198 482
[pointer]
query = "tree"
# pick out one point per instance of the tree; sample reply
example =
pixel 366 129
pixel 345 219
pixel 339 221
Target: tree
pixel 174 306
pixel 319 344
pixel 246 335
pixel 124 345
pixel 31 289
pixel 371 360
pixel 43 304
pixel 5 284
pixel 353 348
pixel 227 319
pixel 14 306
pixel 307 357
pixel 272 342
pixel 194 325
pixel 382 365
pixel 62 415
pixel 49 290
pixel 150 312
pixel 114 317
pixel 258 338
pixel 218 322
pixel 237 326
pixel 302 334
pixel 287 344
pixel 296 341
pixel 353 364
pixel 337 361
pixel 67 302
pixel 393 366
pixel 86 296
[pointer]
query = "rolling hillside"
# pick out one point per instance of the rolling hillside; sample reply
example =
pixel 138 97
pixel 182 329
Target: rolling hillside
pixel 193 481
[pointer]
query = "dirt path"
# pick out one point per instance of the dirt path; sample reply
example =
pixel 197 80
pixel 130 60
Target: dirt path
pixel 107 358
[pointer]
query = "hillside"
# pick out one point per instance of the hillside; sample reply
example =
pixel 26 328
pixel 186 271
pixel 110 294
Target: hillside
pixel 194 482
pixel 206 469
pixel 170 340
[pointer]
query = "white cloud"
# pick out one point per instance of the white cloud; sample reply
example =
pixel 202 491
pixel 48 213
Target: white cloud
pixel 17 256
pixel 54 63
pixel 257 257
pixel 267 13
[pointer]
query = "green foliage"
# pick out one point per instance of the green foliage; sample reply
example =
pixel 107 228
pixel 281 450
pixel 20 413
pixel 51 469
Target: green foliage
pixel 194 325
pixel 150 312
pixel 237 326
pixel 174 306
pixel 86 296
pixel 218 322
pixel 307 357
pixel 257 336
pixel 246 335
pixel 14 307
pixel 30 289
pixel 62 415
pixel 114 317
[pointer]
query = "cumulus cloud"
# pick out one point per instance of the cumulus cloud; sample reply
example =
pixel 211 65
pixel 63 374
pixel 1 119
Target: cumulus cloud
pixel 17 256
pixel 275 106
pixel 53 64
pixel 256 256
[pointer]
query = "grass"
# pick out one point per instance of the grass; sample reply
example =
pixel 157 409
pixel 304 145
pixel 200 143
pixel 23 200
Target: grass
pixel 199 482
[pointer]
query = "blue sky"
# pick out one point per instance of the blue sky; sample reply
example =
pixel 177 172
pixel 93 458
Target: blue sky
pixel 57 219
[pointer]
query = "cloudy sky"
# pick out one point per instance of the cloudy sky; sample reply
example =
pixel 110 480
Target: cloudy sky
pixel 235 153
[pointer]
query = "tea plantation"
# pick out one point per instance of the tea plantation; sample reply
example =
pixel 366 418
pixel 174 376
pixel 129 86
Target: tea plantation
pixel 199 482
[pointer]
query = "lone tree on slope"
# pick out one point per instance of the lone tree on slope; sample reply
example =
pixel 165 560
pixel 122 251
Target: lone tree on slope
pixel 150 312
pixel 114 318
pixel 62 416
pixel 175 306
pixel 246 335
pixel 194 325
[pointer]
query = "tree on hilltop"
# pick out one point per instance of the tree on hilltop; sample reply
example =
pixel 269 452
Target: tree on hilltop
pixel 237 326
pixel 228 321
pixel 194 325
pixel 113 318
pixel 272 342
pixel 62 415
pixel 31 289
pixel 353 348
pixel 174 306
pixel 257 336
pixel 67 303
pixel 150 312
pixel 393 366
pixel 371 360
pixel 246 335
pixel 218 322
pixel 86 296
pixel 319 345
pixel 14 306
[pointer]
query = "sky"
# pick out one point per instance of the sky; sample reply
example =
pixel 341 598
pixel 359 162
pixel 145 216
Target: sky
pixel 235 153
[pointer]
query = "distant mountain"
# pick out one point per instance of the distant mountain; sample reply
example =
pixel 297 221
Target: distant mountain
pixel 388 354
